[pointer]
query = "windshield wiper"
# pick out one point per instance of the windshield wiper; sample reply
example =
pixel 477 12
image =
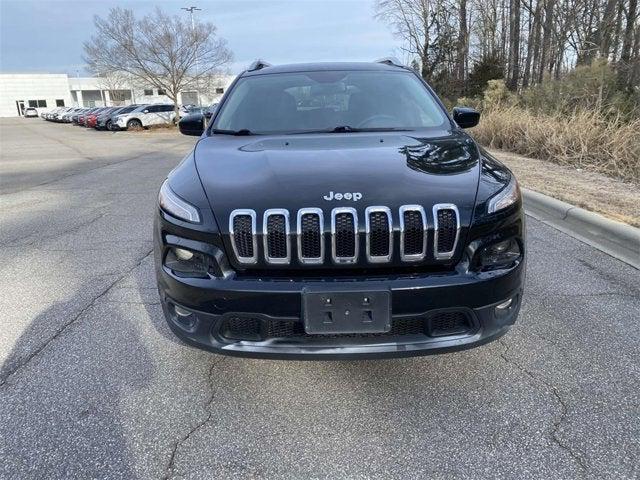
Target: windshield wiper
pixel 241 132
pixel 350 129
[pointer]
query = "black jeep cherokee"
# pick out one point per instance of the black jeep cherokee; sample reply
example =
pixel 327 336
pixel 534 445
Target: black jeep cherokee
pixel 337 211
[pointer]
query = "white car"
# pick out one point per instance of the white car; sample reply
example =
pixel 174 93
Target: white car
pixel 147 115
pixel 30 112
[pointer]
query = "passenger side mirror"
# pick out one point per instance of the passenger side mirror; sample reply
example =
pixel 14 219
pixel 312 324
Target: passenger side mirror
pixel 466 117
pixel 192 124
pixel 145 111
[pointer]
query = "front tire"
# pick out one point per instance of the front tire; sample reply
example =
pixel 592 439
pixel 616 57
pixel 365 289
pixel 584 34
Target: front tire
pixel 107 125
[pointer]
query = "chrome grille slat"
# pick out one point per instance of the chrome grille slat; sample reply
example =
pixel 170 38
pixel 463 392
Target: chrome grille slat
pixel 446 230
pixel 344 235
pixel 379 234
pixel 310 230
pixel 242 231
pixel 413 233
pixel 275 235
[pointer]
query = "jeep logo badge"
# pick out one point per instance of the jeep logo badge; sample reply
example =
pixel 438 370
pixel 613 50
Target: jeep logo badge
pixel 355 196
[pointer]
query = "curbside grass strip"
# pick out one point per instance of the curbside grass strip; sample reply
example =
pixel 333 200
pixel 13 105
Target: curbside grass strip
pixel 617 239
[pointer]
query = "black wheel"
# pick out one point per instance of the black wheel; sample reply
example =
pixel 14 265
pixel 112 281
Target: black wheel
pixel 107 125
pixel 134 123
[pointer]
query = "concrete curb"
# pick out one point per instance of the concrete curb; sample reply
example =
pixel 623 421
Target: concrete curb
pixel 617 239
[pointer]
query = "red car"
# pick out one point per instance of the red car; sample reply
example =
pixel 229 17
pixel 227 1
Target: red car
pixel 91 120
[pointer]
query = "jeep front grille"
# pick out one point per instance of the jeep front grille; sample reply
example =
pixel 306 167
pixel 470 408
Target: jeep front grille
pixel 310 236
pixel 344 235
pixel 413 233
pixel 277 247
pixel 379 234
pixel 446 230
pixel 242 228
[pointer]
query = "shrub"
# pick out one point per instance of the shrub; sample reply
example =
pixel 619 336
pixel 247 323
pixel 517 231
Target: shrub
pixel 583 139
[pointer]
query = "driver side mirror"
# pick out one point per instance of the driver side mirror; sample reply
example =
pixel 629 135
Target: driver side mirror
pixel 145 111
pixel 192 124
pixel 466 117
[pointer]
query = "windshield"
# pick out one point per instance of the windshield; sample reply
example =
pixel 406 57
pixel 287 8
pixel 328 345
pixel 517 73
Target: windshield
pixel 328 100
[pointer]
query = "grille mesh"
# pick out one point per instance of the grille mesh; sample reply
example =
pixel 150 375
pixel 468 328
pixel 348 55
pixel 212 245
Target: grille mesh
pixel 447 226
pixel 438 324
pixel 448 323
pixel 345 235
pixel 311 235
pixel 276 236
pixel 242 235
pixel 379 234
pixel 399 327
pixel 413 233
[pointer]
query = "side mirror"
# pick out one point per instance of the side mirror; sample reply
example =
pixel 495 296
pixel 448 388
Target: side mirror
pixel 192 124
pixel 145 111
pixel 466 117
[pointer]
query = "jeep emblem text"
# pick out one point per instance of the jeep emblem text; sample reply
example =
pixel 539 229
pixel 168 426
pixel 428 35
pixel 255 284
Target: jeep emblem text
pixel 355 196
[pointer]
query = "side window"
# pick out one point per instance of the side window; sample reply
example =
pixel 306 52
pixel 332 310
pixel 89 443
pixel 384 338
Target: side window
pixel 152 108
pixel 148 92
pixel 167 108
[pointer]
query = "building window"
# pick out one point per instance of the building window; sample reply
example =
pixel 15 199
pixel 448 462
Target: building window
pixel 162 91
pixel 148 92
pixel 38 103
pixel 219 90
pixel 59 103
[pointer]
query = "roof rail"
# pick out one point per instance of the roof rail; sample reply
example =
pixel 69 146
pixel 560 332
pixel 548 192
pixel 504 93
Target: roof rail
pixel 258 65
pixel 393 61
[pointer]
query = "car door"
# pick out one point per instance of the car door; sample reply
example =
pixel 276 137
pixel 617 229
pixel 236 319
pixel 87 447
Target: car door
pixel 151 117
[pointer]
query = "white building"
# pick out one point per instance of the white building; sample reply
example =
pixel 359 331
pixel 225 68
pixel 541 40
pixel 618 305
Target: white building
pixel 45 91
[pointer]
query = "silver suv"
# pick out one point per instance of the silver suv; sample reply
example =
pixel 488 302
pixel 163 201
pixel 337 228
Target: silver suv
pixel 147 115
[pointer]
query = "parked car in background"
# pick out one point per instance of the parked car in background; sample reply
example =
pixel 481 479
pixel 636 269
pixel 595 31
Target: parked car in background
pixel 30 112
pixel 92 119
pixel 83 116
pixel 107 121
pixel 146 116
pixel 76 115
pixel 66 117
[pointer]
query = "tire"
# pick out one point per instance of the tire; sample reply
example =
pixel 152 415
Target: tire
pixel 107 126
pixel 134 123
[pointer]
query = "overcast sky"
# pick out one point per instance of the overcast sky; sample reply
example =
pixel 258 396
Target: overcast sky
pixel 47 35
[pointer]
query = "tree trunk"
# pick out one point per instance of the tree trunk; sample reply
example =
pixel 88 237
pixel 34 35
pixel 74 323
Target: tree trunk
pixel 462 45
pixel 546 38
pixel 533 45
pixel 624 66
pixel 605 28
pixel 513 68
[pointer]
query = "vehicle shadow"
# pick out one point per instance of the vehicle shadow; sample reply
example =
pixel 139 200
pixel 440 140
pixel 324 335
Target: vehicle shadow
pixel 61 405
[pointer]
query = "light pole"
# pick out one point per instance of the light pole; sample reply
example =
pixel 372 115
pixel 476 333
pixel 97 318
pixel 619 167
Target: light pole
pixel 193 28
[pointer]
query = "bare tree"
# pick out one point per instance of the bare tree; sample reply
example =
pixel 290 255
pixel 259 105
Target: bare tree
pixel 158 50
pixel 117 84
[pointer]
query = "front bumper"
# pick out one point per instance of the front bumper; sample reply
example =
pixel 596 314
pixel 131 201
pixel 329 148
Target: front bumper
pixel 211 303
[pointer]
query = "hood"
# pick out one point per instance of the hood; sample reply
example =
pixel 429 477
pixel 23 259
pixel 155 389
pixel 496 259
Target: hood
pixel 339 170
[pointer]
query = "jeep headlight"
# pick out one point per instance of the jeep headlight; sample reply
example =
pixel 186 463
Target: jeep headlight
pixel 506 197
pixel 175 206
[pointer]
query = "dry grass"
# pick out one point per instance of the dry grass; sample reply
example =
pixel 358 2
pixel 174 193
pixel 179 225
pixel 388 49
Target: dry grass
pixel 596 192
pixel 585 139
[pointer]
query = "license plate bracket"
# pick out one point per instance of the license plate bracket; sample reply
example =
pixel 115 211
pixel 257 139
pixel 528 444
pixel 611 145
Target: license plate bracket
pixel 327 311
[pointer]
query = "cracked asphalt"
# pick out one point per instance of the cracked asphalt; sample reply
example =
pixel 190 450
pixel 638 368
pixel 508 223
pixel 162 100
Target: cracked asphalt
pixel 94 385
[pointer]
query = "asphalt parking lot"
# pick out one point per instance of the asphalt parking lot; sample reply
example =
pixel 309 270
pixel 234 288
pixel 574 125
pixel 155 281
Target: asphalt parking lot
pixel 94 385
